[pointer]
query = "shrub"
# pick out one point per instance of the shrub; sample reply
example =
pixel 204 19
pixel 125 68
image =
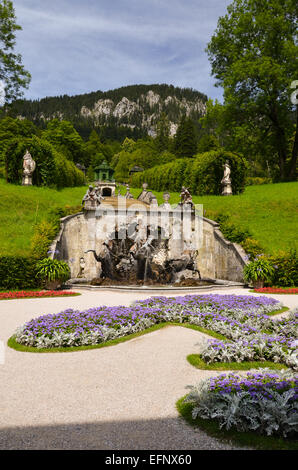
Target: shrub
pixel 233 233
pixel 286 269
pixel 250 181
pixel 52 270
pixel 47 229
pixel 208 172
pixel 252 247
pixel 44 234
pixel 259 269
pixel 230 231
pixel 17 272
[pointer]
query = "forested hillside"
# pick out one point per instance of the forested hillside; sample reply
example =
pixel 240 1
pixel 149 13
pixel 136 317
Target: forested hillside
pixel 131 111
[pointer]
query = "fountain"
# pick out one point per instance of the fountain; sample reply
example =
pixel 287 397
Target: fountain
pixel 121 241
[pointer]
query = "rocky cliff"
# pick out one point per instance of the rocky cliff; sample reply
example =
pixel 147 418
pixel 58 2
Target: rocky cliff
pixel 136 107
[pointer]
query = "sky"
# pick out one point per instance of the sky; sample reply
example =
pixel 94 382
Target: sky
pixel 78 46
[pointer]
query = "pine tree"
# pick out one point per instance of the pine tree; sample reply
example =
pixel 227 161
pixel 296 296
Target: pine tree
pixel 185 143
pixel 162 133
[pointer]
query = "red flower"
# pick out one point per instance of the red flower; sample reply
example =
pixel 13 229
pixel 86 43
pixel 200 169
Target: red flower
pixel 277 290
pixel 33 294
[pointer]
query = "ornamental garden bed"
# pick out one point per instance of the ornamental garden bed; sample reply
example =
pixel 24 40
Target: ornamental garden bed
pixel 258 410
pixel 242 325
pixel 35 294
pixel 245 335
pixel 277 290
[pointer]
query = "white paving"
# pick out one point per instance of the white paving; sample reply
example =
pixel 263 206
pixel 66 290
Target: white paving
pixel 119 397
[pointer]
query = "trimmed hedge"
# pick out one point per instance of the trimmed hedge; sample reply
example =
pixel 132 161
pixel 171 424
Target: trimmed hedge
pixel 17 272
pixel 52 168
pixel 201 174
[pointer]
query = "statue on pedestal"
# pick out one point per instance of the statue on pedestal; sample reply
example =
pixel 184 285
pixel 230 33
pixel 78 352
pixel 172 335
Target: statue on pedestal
pixel 29 166
pixel 186 197
pixel 166 205
pixel 82 267
pixel 226 181
pixel 91 199
pixel 128 194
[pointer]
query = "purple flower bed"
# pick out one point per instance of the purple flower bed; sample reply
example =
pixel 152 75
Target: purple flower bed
pixel 99 324
pixel 262 402
pixel 93 319
pixel 254 383
pixel 217 302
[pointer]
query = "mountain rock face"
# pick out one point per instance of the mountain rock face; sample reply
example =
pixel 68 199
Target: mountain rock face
pixel 145 111
pixel 134 107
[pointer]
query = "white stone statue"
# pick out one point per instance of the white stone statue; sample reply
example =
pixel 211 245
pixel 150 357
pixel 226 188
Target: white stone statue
pixel 226 181
pixel 227 173
pixel 82 267
pixel 128 194
pixel 92 199
pixel 166 205
pixel 29 166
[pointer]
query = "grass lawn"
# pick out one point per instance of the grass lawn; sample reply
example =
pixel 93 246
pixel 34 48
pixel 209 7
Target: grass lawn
pixel 269 211
pixel 196 361
pixel 22 207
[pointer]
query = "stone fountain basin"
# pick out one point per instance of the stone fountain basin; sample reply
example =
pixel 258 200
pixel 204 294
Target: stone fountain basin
pixel 206 284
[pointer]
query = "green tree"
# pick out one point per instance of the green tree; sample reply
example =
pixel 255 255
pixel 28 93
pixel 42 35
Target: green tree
pixel 92 147
pixel 208 142
pixel 65 139
pixel 185 142
pixel 253 55
pixel 12 72
pixel 240 135
pixel 162 133
pixel 10 129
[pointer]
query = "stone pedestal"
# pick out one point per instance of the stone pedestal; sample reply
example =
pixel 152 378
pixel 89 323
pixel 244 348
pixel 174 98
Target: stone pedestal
pixel 27 180
pixel 227 189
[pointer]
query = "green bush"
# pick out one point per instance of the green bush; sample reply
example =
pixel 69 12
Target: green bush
pixel 46 231
pixel 52 270
pixel 201 174
pixel 252 247
pixel 44 234
pixel 230 231
pixel 233 233
pixel 17 273
pixel 259 269
pixel 208 172
pixel 286 269
pixel 251 181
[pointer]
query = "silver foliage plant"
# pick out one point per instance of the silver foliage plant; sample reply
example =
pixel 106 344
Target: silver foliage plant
pixel 245 411
pixel 279 346
pixel 87 338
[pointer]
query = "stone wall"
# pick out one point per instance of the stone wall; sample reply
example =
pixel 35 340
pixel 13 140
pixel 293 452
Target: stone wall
pixel 217 257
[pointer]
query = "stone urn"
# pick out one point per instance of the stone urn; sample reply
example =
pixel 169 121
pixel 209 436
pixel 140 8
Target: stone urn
pixel 52 285
pixel 259 284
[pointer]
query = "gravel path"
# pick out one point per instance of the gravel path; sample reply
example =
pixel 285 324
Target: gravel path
pixel 120 397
